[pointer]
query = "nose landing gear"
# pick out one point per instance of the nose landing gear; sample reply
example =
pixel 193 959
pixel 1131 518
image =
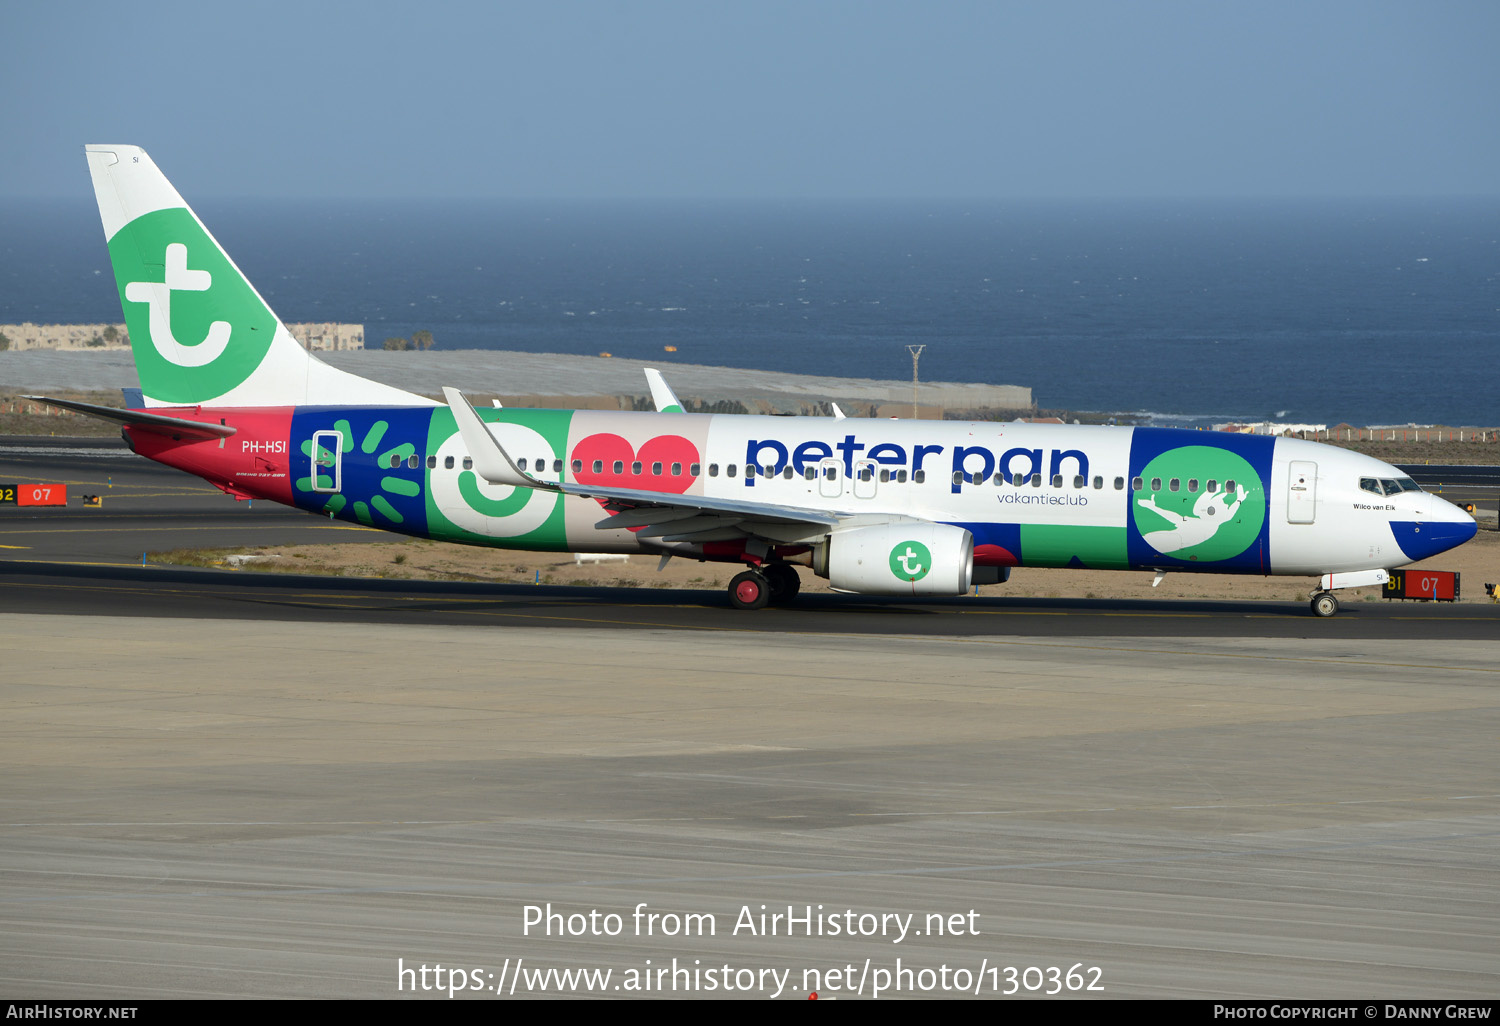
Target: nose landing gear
pixel 1324 604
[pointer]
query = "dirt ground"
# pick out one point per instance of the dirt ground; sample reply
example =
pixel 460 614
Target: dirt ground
pixel 411 559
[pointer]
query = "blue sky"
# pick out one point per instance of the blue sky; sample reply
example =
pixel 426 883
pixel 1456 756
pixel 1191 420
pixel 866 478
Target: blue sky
pixel 766 99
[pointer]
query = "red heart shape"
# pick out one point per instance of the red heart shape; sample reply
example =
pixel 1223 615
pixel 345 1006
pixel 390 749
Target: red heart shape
pixel 609 449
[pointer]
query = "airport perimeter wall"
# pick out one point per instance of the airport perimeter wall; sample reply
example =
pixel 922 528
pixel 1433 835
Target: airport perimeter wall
pixel 557 381
pixel 325 336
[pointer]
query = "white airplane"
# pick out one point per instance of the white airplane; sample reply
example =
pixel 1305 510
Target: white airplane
pixel 883 507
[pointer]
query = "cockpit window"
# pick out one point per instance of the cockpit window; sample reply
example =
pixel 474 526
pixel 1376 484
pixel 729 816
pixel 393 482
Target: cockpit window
pixel 1389 486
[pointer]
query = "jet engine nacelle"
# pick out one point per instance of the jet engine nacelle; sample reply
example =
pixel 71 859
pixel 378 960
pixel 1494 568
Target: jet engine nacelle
pixel 911 558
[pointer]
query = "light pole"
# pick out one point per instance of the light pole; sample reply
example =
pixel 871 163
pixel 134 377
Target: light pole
pixel 916 354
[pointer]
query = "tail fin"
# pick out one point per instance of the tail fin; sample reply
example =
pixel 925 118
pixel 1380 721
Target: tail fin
pixel 200 332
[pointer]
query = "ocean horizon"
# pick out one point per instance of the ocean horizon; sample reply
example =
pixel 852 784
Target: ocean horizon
pixel 1358 311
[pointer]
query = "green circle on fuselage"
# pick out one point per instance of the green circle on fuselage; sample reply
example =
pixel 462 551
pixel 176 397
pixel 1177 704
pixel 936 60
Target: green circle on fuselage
pixel 1195 523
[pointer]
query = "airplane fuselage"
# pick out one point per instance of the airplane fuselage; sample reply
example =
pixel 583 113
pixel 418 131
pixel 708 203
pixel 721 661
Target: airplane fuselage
pixel 1030 495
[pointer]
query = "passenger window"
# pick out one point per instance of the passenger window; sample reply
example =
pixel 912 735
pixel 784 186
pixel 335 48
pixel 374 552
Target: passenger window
pixel 730 469
pixel 1193 485
pixel 523 462
pixel 557 466
pixel 448 463
pixel 1174 485
pixel 468 463
pixel 1018 479
pixel 919 477
pixel 577 466
pixel 598 466
pixel 832 473
pixel 1099 482
pixel 1036 480
pixel 767 471
pixel 432 463
pixel 958 477
pixel 635 468
pixel 1120 484
pixel 809 473
pixel 1212 486
pixel 885 475
pixel 413 461
pixel 677 470
pixel 1078 481
pixel 394 461
pixel 901 477
pixel 695 469
pixel 619 466
pixel 1229 487
pixel 1137 484
pixel 1056 480
pixel 656 470
pixel 1156 484
pixel 749 470
pixel 713 470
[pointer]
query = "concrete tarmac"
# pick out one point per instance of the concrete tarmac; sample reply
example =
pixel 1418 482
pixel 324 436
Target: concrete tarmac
pixel 245 785
pixel 256 808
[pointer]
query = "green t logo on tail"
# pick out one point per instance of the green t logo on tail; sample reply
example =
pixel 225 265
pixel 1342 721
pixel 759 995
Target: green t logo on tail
pixel 911 560
pixel 196 326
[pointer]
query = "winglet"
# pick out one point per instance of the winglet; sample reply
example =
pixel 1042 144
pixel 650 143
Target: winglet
pixel 838 414
pixel 491 461
pixel 661 393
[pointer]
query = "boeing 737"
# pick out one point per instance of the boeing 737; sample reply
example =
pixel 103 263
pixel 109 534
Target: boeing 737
pixel 882 507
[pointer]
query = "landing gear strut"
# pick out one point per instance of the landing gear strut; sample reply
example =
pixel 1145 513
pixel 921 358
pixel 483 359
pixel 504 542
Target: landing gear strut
pixel 1324 604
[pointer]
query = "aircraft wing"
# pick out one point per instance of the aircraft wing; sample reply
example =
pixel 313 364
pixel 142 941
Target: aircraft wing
pixel 162 425
pixel 666 515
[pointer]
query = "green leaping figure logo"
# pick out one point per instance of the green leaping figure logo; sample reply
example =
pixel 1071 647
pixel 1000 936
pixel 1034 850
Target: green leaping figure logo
pixel 1202 519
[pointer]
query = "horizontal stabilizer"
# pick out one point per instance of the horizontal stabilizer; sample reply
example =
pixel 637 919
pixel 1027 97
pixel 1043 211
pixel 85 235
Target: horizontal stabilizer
pixel 175 426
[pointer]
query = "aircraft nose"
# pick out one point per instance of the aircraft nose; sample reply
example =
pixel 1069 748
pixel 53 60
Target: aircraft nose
pixel 1441 528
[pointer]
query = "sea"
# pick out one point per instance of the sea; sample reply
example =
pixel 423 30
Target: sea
pixel 1177 312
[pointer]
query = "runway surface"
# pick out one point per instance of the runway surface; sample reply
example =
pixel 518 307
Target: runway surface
pixel 152 592
pixel 219 784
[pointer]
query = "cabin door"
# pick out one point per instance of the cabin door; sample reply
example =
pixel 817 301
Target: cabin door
pixel 1301 492
pixel 327 461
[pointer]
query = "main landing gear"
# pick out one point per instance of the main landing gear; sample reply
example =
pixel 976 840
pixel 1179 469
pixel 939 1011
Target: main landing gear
pixel 1324 604
pixel 772 584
